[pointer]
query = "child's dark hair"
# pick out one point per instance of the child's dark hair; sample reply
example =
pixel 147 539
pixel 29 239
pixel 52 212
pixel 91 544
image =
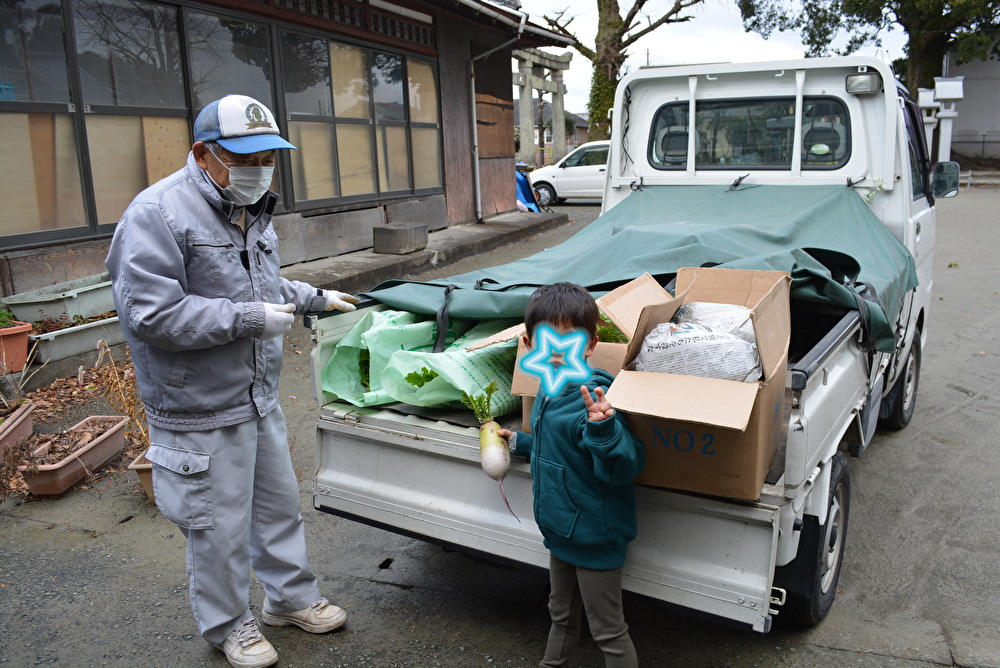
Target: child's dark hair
pixel 562 304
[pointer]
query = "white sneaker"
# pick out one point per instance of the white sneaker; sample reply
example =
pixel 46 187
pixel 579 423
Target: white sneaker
pixel 245 647
pixel 320 617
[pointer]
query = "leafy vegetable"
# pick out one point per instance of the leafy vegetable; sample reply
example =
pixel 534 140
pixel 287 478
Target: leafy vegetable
pixel 480 403
pixel 364 362
pixel 422 377
pixel 608 332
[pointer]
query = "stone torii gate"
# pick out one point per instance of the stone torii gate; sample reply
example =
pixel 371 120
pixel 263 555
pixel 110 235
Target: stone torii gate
pixel 532 68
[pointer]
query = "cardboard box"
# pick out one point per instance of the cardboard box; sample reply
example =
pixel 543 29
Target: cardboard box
pixel 702 434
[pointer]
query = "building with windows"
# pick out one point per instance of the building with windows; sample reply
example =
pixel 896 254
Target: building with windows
pixel 401 110
pixel 976 129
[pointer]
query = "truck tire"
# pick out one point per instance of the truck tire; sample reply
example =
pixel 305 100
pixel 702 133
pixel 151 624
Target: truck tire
pixel 897 406
pixel 810 580
pixel 546 195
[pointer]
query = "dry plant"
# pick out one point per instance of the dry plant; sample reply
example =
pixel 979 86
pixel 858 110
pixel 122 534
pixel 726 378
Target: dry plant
pixel 122 393
pixel 12 390
pixel 11 480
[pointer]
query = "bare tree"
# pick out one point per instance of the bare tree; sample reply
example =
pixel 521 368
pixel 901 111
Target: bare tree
pixel 615 34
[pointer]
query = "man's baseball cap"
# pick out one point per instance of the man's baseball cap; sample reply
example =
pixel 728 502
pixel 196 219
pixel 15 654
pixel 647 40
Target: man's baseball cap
pixel 240 124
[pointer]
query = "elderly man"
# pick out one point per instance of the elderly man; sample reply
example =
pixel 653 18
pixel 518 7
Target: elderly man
pixel 194 266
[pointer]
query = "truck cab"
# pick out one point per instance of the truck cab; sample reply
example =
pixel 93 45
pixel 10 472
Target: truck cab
pixel 844 121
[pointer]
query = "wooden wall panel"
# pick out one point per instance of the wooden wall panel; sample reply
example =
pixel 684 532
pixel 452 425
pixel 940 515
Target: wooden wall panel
pixel 453 73
pixel 495 126
pixel 498 194
pixel 430 211
pixel 32 269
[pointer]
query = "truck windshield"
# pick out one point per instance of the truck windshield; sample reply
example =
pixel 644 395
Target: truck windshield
pixel 751 133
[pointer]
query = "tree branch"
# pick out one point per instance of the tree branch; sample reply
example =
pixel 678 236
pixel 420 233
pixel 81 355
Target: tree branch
pixel 558 23
pixel 669 17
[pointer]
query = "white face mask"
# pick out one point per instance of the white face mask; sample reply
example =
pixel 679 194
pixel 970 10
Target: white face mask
pixel 246 184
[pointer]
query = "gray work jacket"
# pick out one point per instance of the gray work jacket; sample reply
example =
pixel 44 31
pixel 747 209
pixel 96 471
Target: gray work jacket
pixel 190 288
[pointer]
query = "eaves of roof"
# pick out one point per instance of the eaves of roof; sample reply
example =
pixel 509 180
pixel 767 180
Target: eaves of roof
pixel 531 34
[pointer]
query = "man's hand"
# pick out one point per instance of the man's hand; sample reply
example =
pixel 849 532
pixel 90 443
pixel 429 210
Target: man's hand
pixel 278 319
pixel 598 408
pixel 339 300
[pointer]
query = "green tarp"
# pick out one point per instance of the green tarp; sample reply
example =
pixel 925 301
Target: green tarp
pixel 824 236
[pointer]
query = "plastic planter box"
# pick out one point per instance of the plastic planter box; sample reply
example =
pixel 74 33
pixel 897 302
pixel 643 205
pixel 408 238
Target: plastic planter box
pixel 77 340
pixel 144 469
pixel 85 297
pixel 18 425
pixel 53 479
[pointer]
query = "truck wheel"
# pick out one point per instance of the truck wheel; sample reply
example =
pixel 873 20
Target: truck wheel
pixel 897 407
pixel 546 194
pixel 810 580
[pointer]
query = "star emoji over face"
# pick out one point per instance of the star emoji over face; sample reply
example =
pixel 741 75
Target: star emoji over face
pixel 555 375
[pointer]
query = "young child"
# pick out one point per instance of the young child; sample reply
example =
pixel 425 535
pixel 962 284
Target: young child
pixel 583 464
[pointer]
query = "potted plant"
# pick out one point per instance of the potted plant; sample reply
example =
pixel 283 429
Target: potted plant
pixel 122 393
pixel 15 409
pixel 13 343
pixel 65 336
pixel 56 462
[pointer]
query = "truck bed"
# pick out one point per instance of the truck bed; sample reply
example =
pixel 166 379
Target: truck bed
pixel 418 473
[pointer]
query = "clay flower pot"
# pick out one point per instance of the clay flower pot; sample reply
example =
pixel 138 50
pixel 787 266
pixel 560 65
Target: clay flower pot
pixel 100 439
pixel 14 347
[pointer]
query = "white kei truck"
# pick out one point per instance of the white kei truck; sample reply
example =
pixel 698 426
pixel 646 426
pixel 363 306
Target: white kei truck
pixel 734 148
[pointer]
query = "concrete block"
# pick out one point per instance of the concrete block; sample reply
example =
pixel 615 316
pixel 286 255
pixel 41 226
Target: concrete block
pixel 399 238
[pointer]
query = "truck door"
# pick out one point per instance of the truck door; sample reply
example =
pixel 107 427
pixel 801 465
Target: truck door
pixel 921 212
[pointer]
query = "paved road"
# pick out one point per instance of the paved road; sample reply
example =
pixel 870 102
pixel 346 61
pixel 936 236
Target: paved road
pixel 97 578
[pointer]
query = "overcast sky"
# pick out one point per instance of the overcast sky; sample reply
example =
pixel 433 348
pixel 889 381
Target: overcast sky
pixel 715 34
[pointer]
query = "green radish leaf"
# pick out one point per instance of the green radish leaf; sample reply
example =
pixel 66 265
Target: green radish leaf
pixel 480 403
pixel 422 377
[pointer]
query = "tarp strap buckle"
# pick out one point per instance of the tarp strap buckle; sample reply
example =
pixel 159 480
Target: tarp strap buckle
pixel 442 320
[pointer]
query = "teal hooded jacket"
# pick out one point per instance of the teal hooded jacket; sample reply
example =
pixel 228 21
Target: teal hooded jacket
pixel 583 477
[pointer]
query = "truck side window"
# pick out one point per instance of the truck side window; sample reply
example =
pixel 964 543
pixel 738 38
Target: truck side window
pixel 919 163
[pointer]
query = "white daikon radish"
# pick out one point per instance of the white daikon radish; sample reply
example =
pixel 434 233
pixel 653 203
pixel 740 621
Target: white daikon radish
pixel 494 455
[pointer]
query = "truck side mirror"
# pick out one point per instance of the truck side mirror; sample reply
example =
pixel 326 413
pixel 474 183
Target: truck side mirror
pixel 944 182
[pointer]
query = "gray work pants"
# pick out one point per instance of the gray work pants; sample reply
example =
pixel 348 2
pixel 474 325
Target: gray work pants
pixel 599 593
pixel 233 493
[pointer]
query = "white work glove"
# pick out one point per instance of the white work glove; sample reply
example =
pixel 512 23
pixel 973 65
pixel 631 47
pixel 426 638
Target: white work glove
pixel 339 300
pixel 278 319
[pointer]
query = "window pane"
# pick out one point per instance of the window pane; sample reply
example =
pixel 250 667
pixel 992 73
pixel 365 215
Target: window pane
pixel 305 68
pixel 426 157
pixel 423 92
pixel 130 153
pixel 32 55
pixel 313 168
pixel 354 149
pixel 228 56
pixel 825 138
pixel 41 190
pixel 387 79
pixel 129 53
pixel 393 170
pixel 350 83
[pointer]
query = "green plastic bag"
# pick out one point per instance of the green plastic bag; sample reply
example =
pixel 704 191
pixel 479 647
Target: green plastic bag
pixel 425 378
pixel 354 372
